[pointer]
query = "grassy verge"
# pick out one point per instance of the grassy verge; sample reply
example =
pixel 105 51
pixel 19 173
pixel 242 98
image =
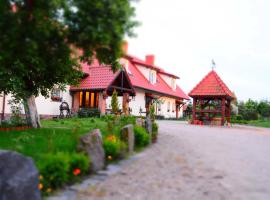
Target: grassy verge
pixel 258 123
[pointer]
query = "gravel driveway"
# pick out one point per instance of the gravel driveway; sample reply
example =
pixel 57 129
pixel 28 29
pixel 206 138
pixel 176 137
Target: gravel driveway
pixel 194 163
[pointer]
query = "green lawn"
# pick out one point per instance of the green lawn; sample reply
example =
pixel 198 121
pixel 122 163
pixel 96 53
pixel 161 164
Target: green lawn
pixel 54 136
pixel 260 123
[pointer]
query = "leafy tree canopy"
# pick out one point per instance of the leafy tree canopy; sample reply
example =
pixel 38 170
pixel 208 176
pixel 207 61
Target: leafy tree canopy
pixel 37 36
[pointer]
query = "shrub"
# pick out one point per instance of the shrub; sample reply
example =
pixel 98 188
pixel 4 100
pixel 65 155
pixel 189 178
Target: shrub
pixel 141 137
pixel 54 170
pixel 88 112
pixel 114 148
pixel 155 127
pixel 60 168
pixel 154 131
pixel 124 120
pixel 79 164
pixel 239 117
pixel 114 102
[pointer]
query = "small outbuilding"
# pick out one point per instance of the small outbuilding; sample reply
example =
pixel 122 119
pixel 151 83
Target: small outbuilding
pixel 211 101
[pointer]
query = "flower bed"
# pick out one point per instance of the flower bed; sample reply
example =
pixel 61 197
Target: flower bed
pixel 16 128
pixel 53 147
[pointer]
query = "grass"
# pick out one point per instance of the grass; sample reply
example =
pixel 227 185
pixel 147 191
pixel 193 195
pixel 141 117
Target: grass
pixel 260 123
pixel 54 136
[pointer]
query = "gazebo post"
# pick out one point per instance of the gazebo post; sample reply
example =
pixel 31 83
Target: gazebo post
pixel 229 111
pixel 194 110
pixel 125 103
pixel 223 110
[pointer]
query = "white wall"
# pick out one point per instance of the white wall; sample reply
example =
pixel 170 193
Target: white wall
pixel 138 103
pixel 134 104
pixel 49 107
pixel 45 106
pixel 164 107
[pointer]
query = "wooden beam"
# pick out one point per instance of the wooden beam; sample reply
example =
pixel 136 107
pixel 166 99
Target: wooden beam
pixel 194 110
pixel 209 111
pixel 120 88
pixel 223 109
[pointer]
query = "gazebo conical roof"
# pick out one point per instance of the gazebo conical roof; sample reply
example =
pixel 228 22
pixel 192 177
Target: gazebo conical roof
pixel 211 86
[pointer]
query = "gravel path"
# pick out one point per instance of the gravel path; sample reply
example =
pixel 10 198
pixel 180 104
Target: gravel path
pixel 194 163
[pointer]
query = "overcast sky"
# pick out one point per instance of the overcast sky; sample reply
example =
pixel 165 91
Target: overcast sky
pixel 185 35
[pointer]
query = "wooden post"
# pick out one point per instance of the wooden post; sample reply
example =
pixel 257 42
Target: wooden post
pixel 125 103
pixel 76 101
pixel 229 112
pixel 177 111
pixel 194 110
pixel 102 102
pixel 223 109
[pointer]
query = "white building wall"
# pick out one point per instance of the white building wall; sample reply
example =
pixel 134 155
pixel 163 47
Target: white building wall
pixel 137 103
pixel 134 104
pixel 164 108
pixel 1 103
pixel 45 106
pixel 49 107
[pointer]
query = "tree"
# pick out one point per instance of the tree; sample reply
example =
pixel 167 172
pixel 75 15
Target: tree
pixel 114 102
pixel 38 38
pixel 264 108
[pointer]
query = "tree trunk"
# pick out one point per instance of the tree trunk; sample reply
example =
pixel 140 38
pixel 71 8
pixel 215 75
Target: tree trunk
pixel 31 113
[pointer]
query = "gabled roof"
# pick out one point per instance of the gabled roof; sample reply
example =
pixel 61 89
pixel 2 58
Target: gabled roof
pixel 138 80
pixel 136 60
pixel 211 85
pixel 99 77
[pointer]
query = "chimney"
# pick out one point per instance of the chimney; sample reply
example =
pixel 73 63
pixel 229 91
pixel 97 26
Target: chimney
pixel 150 59
pixel 125 47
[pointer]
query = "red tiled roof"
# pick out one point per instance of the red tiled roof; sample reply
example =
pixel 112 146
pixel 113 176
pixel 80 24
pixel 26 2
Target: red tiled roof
pixel 211 85
pixel 100 77
pixel 139 80
pixel 142 62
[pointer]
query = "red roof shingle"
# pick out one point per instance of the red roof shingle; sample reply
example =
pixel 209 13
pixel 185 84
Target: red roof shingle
pixel 100 77
pixel 211 85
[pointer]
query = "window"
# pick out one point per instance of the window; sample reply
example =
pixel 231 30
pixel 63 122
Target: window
pixel 56 94
pixel 168 106
pixel 153 76
pixel 173 84
pixel 88 99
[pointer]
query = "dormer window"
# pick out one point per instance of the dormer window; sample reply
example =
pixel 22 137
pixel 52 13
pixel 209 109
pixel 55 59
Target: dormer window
pixel 173 84
pixel 153 76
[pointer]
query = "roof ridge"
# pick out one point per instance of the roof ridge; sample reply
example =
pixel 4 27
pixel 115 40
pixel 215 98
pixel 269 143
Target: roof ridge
pixel 201 89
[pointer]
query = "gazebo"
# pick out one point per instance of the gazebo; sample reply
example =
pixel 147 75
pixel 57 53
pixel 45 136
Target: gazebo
pixel 211 101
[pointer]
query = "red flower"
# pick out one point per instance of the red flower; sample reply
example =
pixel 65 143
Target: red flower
pixel 76 171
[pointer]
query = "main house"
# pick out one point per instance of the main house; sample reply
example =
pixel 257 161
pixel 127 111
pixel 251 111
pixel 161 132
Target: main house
pixel 140 83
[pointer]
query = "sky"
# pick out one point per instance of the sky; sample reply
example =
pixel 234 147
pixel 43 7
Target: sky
pixel 185 35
